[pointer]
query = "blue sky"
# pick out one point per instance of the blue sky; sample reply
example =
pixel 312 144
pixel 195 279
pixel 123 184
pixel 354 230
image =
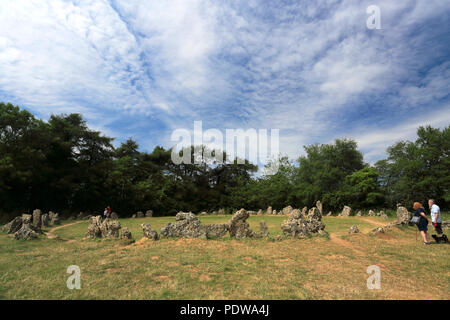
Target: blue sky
pixel 313 70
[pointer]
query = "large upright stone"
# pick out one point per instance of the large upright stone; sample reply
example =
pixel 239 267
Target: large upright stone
pixel 140 214
pixel 238 226
pixel 55 220
pixel 287 210
pixel 149 213
pixel 95 227
pixel 221 211
pixel 45 220
pixel 13 226
pixel 37 222
pixel 299 226
pixel 346 211
pixel 403 216
pixel 319 206
pixel 371 213
pixel 26 232
pixel 110 228
pixel 269 210
pixel 186 225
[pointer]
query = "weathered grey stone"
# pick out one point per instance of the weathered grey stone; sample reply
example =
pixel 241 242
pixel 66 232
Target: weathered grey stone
pixel 140 214
pixel 126 233
pixel 95 227
pixel 186 225
pixel 260 212
pixel 346 211
pixel 371 213
pixel 149 213
pixel 55 220
pixel 329 214
pixel 149 232
pixel 304 211
pixel 110 228
pixel 238 226
pixel 13 226
pixel 297 214
pixel 26 232
pixel 37 222
pixel 287 210
pixel 359 214
pixel 45 220
pixel 114 215
pixel 353 229
pixel 377 230
pixel 134 216
pixel 383 215
pixel 27 218
pixel 299 226
pixel 221 211
pixel 216 230
pixel 403 216
pixel 319 206
pixel 263 229
pixel 274 212
pixel 314 214
pixel 203 213
pixel 269 210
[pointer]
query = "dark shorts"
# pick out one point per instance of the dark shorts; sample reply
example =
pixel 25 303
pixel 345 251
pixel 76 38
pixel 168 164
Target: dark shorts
pixel 423 225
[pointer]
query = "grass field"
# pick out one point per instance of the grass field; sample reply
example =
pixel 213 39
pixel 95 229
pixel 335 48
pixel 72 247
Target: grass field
pixel 332 266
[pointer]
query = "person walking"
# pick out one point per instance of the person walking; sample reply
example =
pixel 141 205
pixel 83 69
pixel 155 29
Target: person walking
pixel 436 217
pixel 423 222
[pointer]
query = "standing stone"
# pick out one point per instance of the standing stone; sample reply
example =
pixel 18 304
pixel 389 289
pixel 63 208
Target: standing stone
pixel 263 229
pixel 329 214
pixel 37 222
pixel 304 210
pixel 260 212
pixel 371 213
pixel 55 219
pixel 110 229
pixel 140 214
pixel 149 232
pixel 186 225
pixel 94 228
pixel 45 220
pixel 274 212
pixel 238 226
pixel 149 213
pixel 319 206
pixel 346 211
pixel 26 232
pixel 359 214
pixel 403 216
pixel 269 210
pixel 214 231
pixel 299 226
pixel 13 226
pixel 203 213
pixel 126 233
pixel 133 216
pixel 114 215
pixel 287 210
pixel 383 215
pixel 221 211
pixel 353 229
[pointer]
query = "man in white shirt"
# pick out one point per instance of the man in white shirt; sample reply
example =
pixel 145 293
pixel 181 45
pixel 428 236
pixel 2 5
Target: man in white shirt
pixel 436 217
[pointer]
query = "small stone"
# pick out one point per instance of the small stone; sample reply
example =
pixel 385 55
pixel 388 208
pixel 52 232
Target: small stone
pixel 149 232
pixel 346 211
pixel 126 233
pixel 140 214
pixel 149 213
pixel 114 215
pixel 353 229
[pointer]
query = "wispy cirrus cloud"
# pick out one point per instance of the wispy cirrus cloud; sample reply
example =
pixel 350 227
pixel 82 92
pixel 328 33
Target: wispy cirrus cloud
pixel 313 70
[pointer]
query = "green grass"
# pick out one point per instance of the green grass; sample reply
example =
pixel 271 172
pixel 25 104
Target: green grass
pixel 328 267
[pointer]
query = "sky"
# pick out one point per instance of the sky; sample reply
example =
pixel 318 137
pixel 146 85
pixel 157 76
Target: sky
pixel 312 69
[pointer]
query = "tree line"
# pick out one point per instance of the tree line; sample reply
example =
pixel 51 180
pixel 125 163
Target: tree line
pixel 64 166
